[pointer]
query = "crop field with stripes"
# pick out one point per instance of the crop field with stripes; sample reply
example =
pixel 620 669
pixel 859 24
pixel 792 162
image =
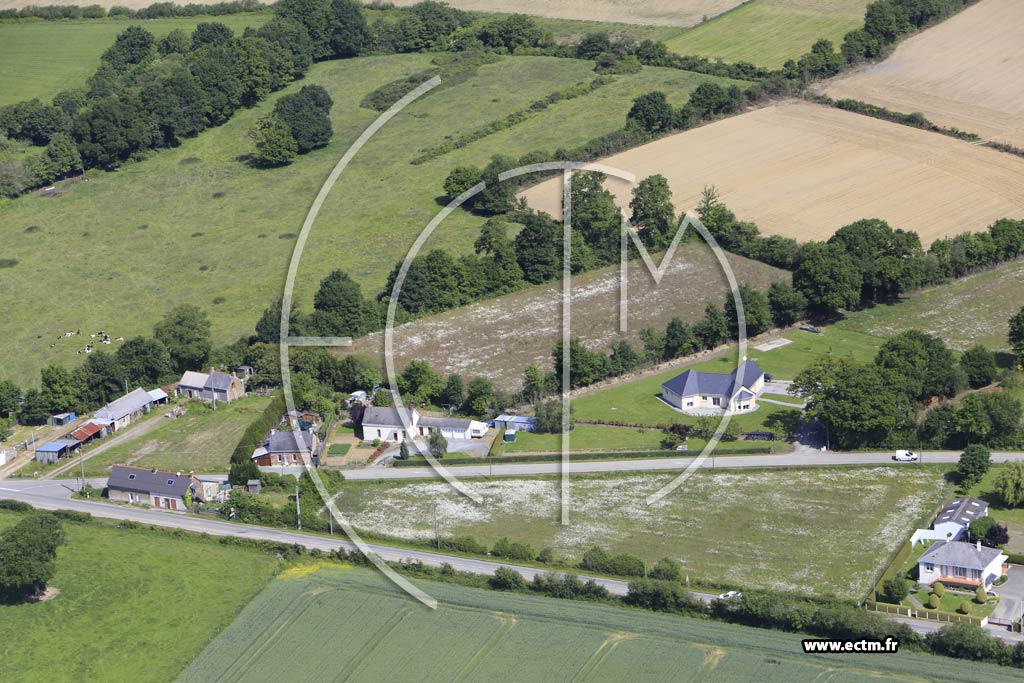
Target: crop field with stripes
pixel 352 625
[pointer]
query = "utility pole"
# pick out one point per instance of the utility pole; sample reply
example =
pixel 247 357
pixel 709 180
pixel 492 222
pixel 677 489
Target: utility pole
pixel 437 538
pixel 81 464
pixel 298 509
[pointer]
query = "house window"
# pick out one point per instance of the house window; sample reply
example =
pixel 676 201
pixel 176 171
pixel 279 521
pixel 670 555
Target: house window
pixel 131 476
pixel 703 398
pixel 716 401
pixel 929 567
pixel 959 572
pixel 689 404
pixel 380 433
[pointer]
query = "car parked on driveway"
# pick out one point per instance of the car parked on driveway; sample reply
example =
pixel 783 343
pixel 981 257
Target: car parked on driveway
pixel 730 595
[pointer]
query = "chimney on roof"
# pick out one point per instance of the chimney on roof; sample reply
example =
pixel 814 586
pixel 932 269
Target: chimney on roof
pixel 977 546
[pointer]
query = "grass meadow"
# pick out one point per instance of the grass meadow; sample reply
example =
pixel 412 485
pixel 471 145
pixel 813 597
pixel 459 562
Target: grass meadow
pixel 197 224
pixel 967 311
pixel 41 58
pixel 815 530
pixel 768 32
pixel 133 605
pixel 376 632
pixel 201 441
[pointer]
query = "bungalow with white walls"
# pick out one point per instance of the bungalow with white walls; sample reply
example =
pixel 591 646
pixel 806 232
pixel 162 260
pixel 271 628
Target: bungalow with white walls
pixel 390 424
pixel 961 564
pixel 703 392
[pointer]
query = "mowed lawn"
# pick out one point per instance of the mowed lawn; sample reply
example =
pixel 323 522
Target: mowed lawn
pixel 971 310
pixel 377 633
pixel 637 402
pixel 41 58
pixel 196 224
pixel 201 441
pixel 134 605
pixel 768 32
pixel 813 530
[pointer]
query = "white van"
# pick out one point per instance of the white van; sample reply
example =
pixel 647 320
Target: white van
pixel 906 456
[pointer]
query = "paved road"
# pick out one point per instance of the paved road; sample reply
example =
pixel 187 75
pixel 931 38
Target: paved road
pixel 663 464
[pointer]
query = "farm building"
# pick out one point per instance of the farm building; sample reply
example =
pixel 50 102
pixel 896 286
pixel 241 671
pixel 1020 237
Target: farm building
pixel 61 419
pixel 139 486
pixel 159 396
pixel 213 386
pixel 715 393
pixel 89 431
pixel 48 453
pixel 961 564
pixel 287 448
pixel 518 423
pixel 125 410
pixel 388 424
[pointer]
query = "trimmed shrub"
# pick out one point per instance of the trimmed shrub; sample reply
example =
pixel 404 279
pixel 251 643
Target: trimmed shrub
pixel 938 588
pixel 933 601
pixel 965 607
pixel 981 595
pixel 507 579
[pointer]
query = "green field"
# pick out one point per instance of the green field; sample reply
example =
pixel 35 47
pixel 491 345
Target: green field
pixel 133 605
pixel 637 402
pixel 195 224
pixel 768 32
pixel 964 312
pixel 812 530
pixel 601 438
pixel 41 58
pixel 201 441
pixel 351 624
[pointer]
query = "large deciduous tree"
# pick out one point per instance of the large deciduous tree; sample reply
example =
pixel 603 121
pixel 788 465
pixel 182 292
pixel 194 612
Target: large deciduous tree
pixel 185 332
pixel 827 277
pixel 28 555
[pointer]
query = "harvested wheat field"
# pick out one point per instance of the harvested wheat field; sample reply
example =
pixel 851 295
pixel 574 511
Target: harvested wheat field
pixel 499 337
pixel 804 170
pixel 967 73
pixel 654 12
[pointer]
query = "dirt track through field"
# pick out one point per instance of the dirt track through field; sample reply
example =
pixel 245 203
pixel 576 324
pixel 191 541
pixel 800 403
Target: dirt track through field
pixel 967 72
pixel 654 12
pixel 804 170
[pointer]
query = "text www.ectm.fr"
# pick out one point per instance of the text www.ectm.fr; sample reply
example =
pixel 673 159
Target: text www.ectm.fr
pixel 818 645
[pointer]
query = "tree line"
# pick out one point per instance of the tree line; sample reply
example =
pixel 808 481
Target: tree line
pixel 155 11
pixel 889 402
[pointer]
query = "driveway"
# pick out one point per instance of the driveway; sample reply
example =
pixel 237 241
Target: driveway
pixel 1014 587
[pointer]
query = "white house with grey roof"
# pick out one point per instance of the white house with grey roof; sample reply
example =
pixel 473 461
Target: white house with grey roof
pixel 140 486
pixel 961 564
pixel 952 522
pixel 709 392
pixel 390 424
pixel 125 410
pixel 213 386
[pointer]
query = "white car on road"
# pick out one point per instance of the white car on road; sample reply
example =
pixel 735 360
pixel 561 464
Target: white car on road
pixel 906 456
pixel 730 595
